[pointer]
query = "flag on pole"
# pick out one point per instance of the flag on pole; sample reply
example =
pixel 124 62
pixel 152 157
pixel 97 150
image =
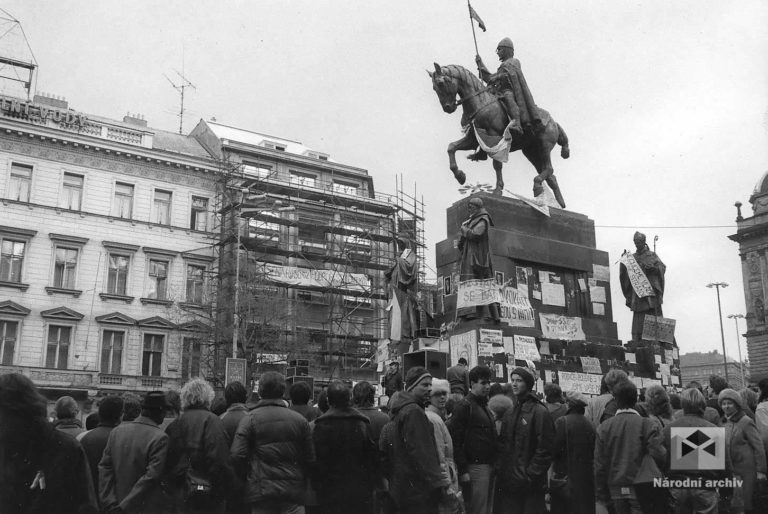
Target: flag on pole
pixel 473 14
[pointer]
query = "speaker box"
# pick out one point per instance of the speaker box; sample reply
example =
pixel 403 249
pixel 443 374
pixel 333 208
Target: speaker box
pixel 435 362
pixel 292 380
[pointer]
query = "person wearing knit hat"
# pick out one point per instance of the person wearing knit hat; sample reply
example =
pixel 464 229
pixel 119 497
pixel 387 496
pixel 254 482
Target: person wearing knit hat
pixel 526 439
pixel 416 479
pixel 745 448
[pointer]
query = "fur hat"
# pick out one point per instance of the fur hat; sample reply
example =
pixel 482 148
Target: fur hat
pixel 527 375
pixel 414 376
pixel 730 394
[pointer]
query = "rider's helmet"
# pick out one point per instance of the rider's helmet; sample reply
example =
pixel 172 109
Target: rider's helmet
pixel 506 42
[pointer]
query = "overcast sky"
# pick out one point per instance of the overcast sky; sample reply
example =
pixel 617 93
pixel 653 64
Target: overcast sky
pixel 665 104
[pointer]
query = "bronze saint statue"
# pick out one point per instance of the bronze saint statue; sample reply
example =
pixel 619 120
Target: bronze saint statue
pixel 495 130
pixel 475 249
pixel 402 282
pixel 510 85
pixel 654 270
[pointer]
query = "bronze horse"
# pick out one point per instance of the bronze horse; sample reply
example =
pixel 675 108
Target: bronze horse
pixel 484 111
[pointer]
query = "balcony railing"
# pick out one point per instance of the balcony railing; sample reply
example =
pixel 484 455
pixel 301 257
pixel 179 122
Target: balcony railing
pixel 68 378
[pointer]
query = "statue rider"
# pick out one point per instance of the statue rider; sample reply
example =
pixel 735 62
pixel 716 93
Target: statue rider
pixel 512 89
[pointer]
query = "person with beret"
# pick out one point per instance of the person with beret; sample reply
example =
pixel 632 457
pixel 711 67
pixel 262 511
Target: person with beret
pixel 525 442
pixel 744 449
pixel 574 454
pixel 132 466
pixel 416 480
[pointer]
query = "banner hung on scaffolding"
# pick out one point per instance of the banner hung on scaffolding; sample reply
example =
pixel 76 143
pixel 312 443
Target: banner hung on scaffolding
pixel 322 278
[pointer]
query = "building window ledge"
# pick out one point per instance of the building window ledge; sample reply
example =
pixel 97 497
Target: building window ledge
pixel 121 297
pixel 60 290
pixel 196 306
pixel 155 301
pixel 14 285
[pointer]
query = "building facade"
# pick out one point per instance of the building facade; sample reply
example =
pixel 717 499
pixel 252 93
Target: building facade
pixel 315 240
pixel 106 232
pixel 752 237
pixel 698 367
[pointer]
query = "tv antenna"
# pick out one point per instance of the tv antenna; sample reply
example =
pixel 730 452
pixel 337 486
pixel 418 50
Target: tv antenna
pixel 180 88
pixel 17 61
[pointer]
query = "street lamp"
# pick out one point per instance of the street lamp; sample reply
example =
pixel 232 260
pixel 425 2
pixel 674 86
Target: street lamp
pixel 735 318
pixel 717 286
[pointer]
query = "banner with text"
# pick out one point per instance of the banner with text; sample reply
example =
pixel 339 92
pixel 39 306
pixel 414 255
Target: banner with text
pixel 636 276
pixel 464 345
pixel 554 326
pixel 516 310
pixel 323 278
pixel 579 382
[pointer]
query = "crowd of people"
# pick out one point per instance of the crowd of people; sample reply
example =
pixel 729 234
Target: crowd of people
pixel 465 444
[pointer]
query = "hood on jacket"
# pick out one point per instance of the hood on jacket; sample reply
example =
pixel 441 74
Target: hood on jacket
pixel 349 413
pixel 400 400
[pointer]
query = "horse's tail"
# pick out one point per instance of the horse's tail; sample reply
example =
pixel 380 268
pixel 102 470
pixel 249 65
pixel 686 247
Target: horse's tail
pixel 562 140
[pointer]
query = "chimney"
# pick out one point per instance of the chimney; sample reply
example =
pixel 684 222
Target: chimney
pixel 135 119
pixel 51 101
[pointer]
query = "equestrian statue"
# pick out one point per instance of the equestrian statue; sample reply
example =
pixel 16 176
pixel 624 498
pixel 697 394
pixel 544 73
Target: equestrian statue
pixel 500 118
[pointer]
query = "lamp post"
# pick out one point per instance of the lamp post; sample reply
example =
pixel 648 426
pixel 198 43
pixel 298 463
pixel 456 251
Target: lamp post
pixel 735 318
pixel 717 286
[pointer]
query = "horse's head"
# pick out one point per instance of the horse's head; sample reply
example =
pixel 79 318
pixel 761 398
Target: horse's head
pixel 445 87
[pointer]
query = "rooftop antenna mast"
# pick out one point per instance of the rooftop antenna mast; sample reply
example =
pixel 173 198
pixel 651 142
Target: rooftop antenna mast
pixel 180 88
pixel 17 61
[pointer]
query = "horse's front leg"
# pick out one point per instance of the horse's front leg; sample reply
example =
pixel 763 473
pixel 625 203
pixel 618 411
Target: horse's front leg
pixel 497 165
pixel 465 143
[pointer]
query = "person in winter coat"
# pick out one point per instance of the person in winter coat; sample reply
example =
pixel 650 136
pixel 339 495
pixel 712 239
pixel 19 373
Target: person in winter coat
pixel 42 470
pixel 131 470
pixel 473 430
pixel 346 456
pixel 621 444
pixel 436 415
pixel 416 481
pixel 362 398
pixel 761 412
pixel 66 409
pixel 198 445
pixel 235 395
pixel 525 450
pixel 744 449
pixel 275 445
pixel 300 394
pixel 393 380
pixel 574 453
pixel 94 442
pixel 553 400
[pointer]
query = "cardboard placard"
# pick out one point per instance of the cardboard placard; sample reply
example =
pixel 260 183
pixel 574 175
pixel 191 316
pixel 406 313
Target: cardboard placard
pixel 490 336
pixel 656 328
pixel 525 348
pixel 555 326
pixel 464 345
pixel 602 273
pixel 598 309
pixel 597 294
pixel 579 382
pixel 553 294
pixel 591 365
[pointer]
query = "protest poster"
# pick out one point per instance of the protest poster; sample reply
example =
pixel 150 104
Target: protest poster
pixel 536 294
pixel 675 353
pixel 309 277
pixel 601 273
pixel 656 328
pixel 668 356
pixel 548 376
pixel 597 294
pixel 657 359
pixel 544 277
pixel 630 357
pixel 553 294
pixel 555 326
pixel 484 350
pixel 516 309
pixel 522 280
pixel 636 276
pixel 675 380
pixel 579 382
pixel 598 309
pixel 591 365
pixel 464 345
pixel 477 292
pixel 509 344
pixel 490 336
pixel 499 370
pixel 582 284
pixel 525 348
pixel 447 291
pixel 544 348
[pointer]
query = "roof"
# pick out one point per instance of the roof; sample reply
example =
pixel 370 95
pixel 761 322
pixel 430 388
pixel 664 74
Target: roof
pixel 700 359
pixel 256 139
pixel 177 143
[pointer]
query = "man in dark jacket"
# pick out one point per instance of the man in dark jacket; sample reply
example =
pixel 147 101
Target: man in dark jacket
pixel 66 409
pixel 473 432
pixel 300 394
pixel 94 442
pixel 620 447
pixel 458 377
pixel 134 460
pixel 346 456
pixel 416 482
pixel 235 395
pixel 275 445
pixel 393 380
pixel 525 442
pixel 362 397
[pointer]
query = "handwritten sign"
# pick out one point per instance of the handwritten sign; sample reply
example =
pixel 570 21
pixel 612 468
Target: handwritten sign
pixel 484 349
pixel 630 357
pixel 579 382
pixel 516 309
pixel 464 345
pixel 235 371
pixel 315 277
pixel 509 345
pixel 636 276
pixel 553 294
pixel 597 294
pixel 602 273
pixel 656 328
pixel 491 336
pixel 525 348
pixel 477 292
pixel 591 365
pixel 554 326
pixel 598 309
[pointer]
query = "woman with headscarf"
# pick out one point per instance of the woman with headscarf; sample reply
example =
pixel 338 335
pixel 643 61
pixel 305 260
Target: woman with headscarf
pixel 744 449
pixel 574 452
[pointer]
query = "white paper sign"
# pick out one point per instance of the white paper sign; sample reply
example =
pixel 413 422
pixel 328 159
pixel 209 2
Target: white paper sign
pixel 582 284
pixel 591 365
pixel 630 357
pixel 464 345
pixel 490 336
pixel 638 381
pixel 554 326
pixel 657 359
pixel 477 292
pixel 675 380
pixel 548 378
pixel 499 370
pixel 484 349
pixel 636 276
pixel 668 356
pixel 509 345
pixel 536 295
pixel 675 353
pixel 525 348
pixel 553 294
pixel 579 382
pixel 597 294
pixel 544 277
pixel 544 347
pixel 598 309
pixel 516 309
pixel 315 277
pixel 602 273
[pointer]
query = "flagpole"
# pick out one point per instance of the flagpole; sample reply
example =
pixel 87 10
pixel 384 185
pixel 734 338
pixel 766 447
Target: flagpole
pixel 474 37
